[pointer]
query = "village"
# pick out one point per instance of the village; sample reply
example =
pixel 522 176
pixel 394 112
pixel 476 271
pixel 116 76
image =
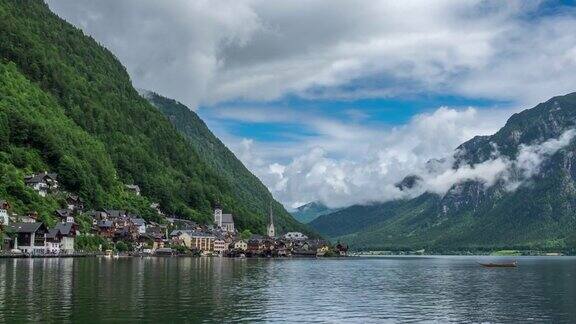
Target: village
pixel 120 233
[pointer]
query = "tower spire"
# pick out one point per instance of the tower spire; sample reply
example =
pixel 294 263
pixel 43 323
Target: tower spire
pixel 271 230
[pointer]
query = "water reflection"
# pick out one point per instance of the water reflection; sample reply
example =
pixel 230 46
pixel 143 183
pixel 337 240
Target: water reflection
pixel 323 290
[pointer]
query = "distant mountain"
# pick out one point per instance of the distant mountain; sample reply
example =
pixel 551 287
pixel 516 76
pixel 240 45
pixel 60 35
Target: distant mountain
pixel 68 106
pixel 309 212
pixel 537 212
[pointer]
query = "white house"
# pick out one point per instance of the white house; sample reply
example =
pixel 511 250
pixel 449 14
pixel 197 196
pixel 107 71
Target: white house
pixel 30 237
pixel 140 223
pixel 4 217
pixel 43 182
pixel 220 245
pixel 241 245
pixel 60 239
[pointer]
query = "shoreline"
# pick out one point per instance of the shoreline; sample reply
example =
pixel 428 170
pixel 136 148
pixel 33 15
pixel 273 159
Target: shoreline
pixel 353 256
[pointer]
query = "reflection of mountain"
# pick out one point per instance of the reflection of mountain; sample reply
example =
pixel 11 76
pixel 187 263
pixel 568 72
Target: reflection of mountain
pixel 311 211
pixel 529 202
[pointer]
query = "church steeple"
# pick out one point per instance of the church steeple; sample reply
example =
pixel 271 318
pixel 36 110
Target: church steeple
pixel 218 215
pixel 271 230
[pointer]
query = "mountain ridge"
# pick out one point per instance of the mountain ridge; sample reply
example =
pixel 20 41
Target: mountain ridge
pixel 312 210
pixel 473 215
pixel 100 134
pixel 246 186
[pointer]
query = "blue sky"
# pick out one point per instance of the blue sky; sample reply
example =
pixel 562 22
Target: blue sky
pixel 372 112
pixel 339 101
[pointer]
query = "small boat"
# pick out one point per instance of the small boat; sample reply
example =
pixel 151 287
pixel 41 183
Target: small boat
pixel 513 264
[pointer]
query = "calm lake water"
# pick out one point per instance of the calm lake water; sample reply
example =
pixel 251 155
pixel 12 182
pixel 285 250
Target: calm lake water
pixel 293 290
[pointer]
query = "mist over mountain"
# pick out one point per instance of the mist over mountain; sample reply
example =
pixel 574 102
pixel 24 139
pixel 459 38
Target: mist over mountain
pixel 516 188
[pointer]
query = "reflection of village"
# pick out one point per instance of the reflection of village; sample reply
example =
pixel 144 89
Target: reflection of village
pixel 129 234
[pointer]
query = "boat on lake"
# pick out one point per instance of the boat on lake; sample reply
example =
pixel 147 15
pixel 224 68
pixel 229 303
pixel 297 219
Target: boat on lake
pixel 513 264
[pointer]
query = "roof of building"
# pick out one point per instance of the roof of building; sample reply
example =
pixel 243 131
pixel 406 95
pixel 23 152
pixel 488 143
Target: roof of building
pixel 26 227
pixel 115 213
pixel 138 221
pixel 191 233
pixel 37 178
pixel 52 233
pixel 133 187
pixel 227 219
pixel 104 223
pixel 64 228
pixel 63 213
pixel 256 238
pixel 71 196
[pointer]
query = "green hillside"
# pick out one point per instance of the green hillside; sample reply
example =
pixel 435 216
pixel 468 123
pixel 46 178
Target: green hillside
pixel 245 186
pixel 68 106
pixel 540 214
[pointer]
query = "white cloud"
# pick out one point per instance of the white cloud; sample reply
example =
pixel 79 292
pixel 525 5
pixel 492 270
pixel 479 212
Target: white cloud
pixel 211 52
pixel 353 163
pixel 406 151
pixel 203 52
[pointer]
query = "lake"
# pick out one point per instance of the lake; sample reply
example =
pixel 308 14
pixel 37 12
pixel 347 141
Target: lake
pixel 375 289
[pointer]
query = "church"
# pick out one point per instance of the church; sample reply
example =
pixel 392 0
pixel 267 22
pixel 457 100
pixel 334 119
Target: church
pixel 223 221
pixel 271 231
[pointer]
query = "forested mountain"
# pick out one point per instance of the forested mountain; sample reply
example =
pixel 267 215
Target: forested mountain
pixel 67 105
pixel 534 206
pixel 245 186
pixel 309 212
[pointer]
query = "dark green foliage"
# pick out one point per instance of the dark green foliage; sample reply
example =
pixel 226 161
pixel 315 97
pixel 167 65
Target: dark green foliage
pixel 246 235
pixel 246 187
pixel 91 243
pixel 67 106
pixel 122 246
pixel 180 249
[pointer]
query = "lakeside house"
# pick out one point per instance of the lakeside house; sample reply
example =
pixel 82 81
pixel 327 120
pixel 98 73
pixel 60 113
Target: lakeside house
pixel 220 246
pixel 29 237
pixel 341 249
pixel 43 183
pixel 194 240
pixel 241 245
pixel 60 239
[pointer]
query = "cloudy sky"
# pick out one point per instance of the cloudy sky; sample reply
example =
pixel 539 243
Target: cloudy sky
pixel 338 100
